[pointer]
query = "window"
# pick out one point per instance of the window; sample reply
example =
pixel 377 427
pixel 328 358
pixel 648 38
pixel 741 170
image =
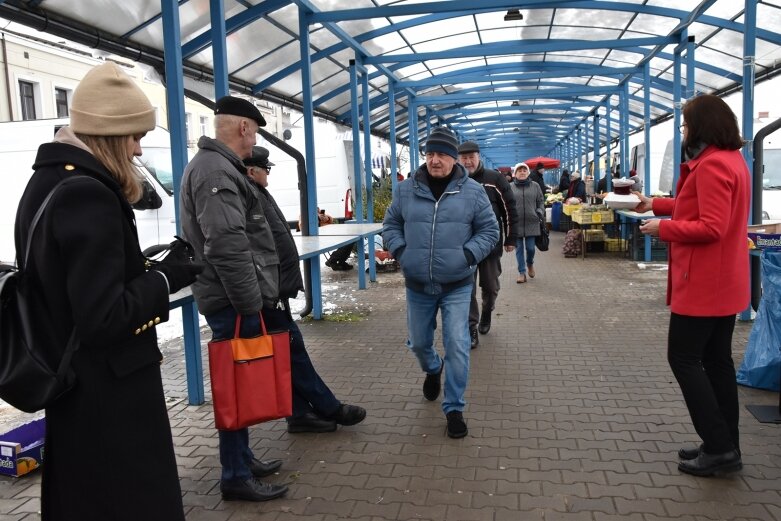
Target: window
pixel 204 126
pixel 27 98
pixel 61 101
pixel 188 124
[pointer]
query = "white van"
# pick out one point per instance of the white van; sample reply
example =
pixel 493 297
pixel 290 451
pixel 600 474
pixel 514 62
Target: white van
pixel 771 180
pixel 19 142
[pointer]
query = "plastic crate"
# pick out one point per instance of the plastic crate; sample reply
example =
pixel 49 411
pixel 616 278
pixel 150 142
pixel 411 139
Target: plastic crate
pixel 597 217
pixel 615 245
pixel 594 235
pixel 569 209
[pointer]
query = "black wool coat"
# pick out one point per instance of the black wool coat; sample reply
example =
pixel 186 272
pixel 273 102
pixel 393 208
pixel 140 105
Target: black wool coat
pixel 109 450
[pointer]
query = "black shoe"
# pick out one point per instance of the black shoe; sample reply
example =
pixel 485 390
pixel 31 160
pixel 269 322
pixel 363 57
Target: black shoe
pixel 250 490
pixel 310 422
pixel 338 266
pixel 260 469
pixel 687 453
pixel 432 385
pixel 475 338
pixel 711 464
pixel 348 414
pixel 456 426
pixel 345 265
pixel 485 323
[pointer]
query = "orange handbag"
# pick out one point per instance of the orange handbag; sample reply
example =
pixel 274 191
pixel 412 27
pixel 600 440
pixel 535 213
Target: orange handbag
pixel 250 378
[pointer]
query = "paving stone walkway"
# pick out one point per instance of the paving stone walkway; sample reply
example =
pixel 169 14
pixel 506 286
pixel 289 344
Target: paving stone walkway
pixel 573 415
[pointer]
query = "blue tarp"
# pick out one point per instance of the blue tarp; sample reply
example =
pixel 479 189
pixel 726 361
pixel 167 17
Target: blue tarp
pixel 761 365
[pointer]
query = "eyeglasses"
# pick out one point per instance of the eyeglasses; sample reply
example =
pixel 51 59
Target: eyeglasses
pixel 266 168
pixel 683 126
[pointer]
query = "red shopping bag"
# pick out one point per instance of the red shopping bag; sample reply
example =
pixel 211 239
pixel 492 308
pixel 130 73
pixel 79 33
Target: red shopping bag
pixel 250 378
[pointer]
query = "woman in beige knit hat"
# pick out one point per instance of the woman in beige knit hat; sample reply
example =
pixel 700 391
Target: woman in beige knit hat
pixel 109 451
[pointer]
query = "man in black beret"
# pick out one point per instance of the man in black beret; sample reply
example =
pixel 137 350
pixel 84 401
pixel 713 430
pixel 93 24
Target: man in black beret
pixel 218 205
pixel 488 271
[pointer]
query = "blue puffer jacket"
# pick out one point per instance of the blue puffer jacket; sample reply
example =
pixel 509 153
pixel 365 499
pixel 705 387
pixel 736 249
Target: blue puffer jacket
pixel 428 238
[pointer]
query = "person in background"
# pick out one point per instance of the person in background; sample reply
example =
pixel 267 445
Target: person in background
pixel 530 205
pixel 538 177
pixel 488 271
pixel 315 408
pixel 338 259
pixel 638 187
pixel 86 264
pixel 439 226
pixel 602 184
pixel 222 217
pixel 708 281
pixel 577 188
pixel 563 182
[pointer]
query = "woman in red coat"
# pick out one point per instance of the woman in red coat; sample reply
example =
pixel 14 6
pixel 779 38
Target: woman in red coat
pixel 708 279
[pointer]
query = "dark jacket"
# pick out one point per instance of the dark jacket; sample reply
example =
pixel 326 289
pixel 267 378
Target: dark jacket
pixel 503 203
pixel 429 237
pixel 222 217
pixel 537 178
pixel 563 183
pixel 89 270
pixel 577 188
pixel 290 281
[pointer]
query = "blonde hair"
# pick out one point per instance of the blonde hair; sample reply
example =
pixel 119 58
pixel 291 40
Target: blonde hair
pixel 111 151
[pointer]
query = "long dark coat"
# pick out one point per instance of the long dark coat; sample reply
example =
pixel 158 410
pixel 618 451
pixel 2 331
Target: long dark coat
pixel 109 452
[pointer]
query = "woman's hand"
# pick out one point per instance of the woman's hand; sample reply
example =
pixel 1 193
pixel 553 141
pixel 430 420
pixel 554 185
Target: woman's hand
pixel 650 227
pixel 646 203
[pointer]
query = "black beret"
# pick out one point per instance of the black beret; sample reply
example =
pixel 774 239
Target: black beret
pixel 259 158
pixel 239 107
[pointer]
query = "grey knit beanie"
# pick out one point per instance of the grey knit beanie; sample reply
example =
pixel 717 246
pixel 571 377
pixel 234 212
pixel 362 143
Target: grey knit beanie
pixel 442 140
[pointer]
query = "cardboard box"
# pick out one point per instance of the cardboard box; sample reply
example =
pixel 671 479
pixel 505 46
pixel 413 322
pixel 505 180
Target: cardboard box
pixel 764 237
pixel 21 449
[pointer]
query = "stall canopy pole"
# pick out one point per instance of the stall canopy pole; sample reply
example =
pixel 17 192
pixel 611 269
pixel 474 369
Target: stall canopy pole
pixel 749 70
pixel 392 132
pixel 219 48
pixel 676 117
pixel 597 166
pixel 357 168
pixel 309 140
pixel 647 128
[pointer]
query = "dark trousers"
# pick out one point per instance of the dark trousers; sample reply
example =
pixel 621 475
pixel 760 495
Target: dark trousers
pixel 488 272
pixel 699 350
pixel 309 390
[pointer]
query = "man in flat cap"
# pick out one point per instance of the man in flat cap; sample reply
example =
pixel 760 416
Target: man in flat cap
pixel 222 218
pixel 315 408
pixel 488 271
pixel 439 227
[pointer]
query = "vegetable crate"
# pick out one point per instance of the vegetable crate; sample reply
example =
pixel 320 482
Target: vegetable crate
pixel 593 217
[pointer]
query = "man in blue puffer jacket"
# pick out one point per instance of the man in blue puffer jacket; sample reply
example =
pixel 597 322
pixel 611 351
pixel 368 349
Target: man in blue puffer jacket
pixel 439 226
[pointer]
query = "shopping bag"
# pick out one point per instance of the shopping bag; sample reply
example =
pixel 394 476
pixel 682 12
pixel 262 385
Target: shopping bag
pixel 250 378
pixel 542 241
pixel 761 366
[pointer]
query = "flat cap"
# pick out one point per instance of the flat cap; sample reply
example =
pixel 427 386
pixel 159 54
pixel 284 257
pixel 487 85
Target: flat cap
pixel 239 107
pixel 259 158
pixel 467 147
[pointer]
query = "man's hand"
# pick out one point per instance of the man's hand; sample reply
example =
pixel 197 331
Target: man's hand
pixel 509 247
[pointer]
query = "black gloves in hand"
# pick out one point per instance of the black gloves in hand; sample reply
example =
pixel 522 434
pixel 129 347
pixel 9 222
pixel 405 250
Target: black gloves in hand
pixel 179 265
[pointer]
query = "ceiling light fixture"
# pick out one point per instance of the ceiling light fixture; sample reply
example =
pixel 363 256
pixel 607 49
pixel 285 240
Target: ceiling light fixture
pixel 513 15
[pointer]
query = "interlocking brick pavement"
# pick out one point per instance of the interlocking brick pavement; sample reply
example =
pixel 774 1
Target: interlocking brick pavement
pixel 573 415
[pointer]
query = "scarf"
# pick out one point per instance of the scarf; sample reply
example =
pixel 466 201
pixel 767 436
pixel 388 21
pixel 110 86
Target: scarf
pixel 524 182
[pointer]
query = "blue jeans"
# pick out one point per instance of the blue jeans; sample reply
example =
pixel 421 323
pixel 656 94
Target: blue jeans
pixel 310 393
pixel 422 311
pixel 235 454
pixel 524 243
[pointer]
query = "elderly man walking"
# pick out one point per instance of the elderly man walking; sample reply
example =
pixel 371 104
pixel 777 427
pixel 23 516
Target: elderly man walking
pixel 439 226
pixel 488 271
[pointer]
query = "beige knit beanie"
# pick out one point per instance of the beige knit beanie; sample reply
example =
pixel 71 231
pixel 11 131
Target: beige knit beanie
pixel 108 103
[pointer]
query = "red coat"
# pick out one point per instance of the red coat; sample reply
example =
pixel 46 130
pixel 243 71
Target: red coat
pixel 709 266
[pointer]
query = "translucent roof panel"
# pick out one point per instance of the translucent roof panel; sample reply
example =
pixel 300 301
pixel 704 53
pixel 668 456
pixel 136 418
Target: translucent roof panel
pixel 486 69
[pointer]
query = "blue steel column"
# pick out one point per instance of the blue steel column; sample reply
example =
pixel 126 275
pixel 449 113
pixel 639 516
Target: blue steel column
pixel 392 133
pixel 676 117
pixel 585 143
pixel 749 70
pixel 412 125
pixel 357 168
pixel 367 162
pixel 608 139
pixel 690 67
pixel 624 135
pixel 647 128
pixel 597 165
pixel 580 154
pixel 309 140
pixel 176 127
pixel 219 48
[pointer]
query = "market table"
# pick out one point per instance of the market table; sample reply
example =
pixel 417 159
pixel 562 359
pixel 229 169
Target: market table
pixel 635 218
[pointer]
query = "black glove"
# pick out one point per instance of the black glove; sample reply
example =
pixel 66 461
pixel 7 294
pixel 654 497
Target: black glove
pixel 179 266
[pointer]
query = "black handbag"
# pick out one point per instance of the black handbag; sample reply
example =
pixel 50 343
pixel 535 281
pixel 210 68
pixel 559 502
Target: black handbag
pixel 542 241
pixel 29 379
